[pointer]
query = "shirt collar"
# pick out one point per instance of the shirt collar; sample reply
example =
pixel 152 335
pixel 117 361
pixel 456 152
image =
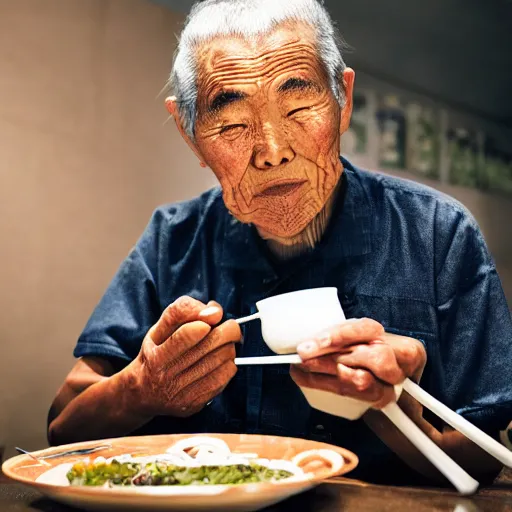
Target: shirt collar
pixel 349 232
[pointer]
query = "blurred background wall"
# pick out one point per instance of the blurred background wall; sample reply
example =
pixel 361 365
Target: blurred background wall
pixel 85 156
pixel 86 153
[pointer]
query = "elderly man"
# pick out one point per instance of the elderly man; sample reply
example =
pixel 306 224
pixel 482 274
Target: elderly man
pixel 262 97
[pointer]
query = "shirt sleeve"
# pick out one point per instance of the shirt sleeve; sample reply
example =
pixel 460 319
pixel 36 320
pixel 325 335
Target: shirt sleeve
pixel 130 304
pixel 473 362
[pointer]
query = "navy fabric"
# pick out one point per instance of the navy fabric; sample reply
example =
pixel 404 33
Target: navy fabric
pixel 398 252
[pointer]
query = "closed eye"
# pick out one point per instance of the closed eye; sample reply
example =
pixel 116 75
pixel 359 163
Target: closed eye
pixel 295 110
pixel 229 127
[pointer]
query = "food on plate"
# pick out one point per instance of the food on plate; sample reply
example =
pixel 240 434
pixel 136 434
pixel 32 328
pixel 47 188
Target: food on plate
pixel 197 461
pixel 163 473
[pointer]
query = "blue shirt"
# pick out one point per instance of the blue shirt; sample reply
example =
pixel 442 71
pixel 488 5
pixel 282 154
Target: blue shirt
pixel 398 252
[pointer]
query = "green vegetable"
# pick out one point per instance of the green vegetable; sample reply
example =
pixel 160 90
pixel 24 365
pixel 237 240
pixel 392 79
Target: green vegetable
pixel 162 473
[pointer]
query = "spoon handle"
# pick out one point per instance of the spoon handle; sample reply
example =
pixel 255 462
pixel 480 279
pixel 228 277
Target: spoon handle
pixel 247 318
pixel 33 457
pixel 83 451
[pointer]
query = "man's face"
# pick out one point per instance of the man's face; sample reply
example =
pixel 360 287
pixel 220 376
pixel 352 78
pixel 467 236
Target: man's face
pixel 268 125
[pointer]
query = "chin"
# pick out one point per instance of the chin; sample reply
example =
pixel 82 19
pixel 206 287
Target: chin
pixel 276 231
pixel 275 222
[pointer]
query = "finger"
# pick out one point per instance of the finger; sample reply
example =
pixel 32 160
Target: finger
pixel 315 380
pixel 212 314
pixel 323 364
pixel 360 384
pixel 200 392
pixel 357 384
pixel 186 337
pixel 226 333
pixel 378 358
pixel 206 365
pixel 341 337
pixel 183 310
pixel 410 354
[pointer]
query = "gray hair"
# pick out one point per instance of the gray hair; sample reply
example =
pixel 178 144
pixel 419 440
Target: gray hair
pixel 246 18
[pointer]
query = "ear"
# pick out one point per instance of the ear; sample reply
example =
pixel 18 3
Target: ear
pixel 172 107
pixel 347 85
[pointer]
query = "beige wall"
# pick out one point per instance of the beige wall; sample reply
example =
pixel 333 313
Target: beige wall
pixel 84 158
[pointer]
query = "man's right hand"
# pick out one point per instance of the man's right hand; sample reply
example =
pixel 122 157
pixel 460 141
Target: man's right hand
pixel 185 361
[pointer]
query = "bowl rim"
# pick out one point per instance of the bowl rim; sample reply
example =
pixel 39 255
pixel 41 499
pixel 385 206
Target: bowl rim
pixel 305 291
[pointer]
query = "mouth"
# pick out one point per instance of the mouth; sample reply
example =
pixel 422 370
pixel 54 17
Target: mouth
pixel 280 189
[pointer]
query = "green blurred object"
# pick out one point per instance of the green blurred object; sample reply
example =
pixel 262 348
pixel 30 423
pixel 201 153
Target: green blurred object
pixel 163 473
pixel 392 126
pixel 496 175
pixel 422 141
pixel 463 158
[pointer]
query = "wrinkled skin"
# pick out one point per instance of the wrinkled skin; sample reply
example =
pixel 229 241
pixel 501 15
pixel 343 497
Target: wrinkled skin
pixel 269 127
pixel 184 361
pixel 360 360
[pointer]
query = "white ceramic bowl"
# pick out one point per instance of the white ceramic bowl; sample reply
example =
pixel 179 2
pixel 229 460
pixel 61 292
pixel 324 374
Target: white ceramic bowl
pixel 291 318
pixel 337 405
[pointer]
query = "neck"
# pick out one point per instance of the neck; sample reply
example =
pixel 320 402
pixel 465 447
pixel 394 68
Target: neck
pixel 306 240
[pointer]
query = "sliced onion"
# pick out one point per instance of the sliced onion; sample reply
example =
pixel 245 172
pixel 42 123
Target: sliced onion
pixel 333 458
pixel 213 444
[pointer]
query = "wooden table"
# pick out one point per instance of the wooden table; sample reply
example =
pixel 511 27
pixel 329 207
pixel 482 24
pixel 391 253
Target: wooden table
pixel 335 496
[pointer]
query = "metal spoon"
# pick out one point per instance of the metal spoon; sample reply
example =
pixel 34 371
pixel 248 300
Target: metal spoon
pixel 83 451
pixel 33 457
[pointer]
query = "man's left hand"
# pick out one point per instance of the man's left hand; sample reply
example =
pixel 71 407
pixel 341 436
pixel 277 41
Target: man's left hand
pixel 360 360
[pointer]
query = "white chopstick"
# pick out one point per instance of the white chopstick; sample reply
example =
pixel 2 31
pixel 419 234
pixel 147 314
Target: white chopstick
pixel 461 480
pixel 286 359
pixel 459 423
pixel 486 442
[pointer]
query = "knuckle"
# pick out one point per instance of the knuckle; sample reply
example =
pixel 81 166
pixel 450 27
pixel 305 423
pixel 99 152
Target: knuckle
pixel 375 394
pixel 368 324
pixel 226 353
pixel 183 304
pixel 377 357
pixel 383 357
pixel 362 381
pixel 224 374
pixel 168 316
pixel 413 354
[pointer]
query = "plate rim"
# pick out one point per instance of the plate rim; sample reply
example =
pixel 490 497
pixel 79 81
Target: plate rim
pixel 350 463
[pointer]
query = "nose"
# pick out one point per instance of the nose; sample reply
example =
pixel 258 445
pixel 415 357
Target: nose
pixel 272 150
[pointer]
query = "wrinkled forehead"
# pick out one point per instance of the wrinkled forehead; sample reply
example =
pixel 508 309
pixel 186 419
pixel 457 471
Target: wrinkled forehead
pixel 228 60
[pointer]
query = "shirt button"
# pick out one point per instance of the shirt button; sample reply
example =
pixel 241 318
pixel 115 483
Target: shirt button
pixel 320 428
